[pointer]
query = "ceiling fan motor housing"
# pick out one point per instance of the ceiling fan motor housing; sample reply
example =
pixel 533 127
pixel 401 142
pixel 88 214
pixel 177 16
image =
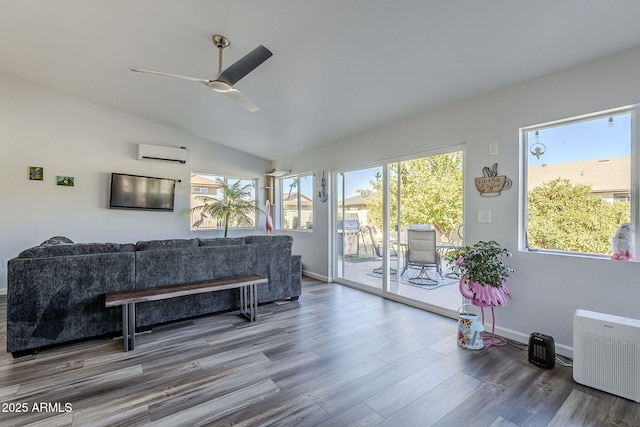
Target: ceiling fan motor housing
pixel 221 42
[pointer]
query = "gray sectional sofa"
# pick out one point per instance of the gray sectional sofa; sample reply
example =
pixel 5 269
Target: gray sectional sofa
pixel 55 292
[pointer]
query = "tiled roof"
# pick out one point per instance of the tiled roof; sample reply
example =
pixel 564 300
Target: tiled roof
pixel 199 180
pixel 352 201
pixel 612 175
pixel 291 199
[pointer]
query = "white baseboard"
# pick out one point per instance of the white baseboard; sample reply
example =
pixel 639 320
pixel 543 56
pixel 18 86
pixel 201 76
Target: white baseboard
pixel 316 276
pixel 562 350
pixel 3 291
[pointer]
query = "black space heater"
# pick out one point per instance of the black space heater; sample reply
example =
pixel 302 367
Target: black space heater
pixel 542 350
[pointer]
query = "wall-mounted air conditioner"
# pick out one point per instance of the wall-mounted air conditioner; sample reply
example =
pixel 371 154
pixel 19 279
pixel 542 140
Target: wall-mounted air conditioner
pixel 606 353
pixel 162 153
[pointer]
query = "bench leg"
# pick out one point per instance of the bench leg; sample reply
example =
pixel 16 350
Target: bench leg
pixel 254 297
pixel 125 327
pixel 129 326
pixel 249 302
pixel 132 325
pixel 243 300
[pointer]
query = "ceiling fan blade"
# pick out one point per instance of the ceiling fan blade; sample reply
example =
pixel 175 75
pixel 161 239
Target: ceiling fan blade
pixel 241 99
pixel 180 76
pixel 244 65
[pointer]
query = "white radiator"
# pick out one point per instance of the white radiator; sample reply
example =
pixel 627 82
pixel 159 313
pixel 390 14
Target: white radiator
pixel 606 353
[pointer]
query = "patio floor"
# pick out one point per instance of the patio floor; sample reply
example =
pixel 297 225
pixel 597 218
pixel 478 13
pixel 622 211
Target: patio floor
pixel 448 296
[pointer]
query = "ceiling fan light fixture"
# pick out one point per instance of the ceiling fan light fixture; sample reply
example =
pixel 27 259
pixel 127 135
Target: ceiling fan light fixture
pixel 219 86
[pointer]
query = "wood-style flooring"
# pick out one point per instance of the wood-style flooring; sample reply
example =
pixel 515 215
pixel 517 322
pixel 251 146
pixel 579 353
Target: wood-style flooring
pixel 337 357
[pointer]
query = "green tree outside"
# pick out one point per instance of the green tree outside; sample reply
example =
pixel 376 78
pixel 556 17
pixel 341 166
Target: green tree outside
pixel 568 217
pixel 431 193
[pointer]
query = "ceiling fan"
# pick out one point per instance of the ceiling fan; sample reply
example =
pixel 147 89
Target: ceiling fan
pixel 224 81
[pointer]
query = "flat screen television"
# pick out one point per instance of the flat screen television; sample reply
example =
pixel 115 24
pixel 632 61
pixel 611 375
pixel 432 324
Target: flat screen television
pixel 141 192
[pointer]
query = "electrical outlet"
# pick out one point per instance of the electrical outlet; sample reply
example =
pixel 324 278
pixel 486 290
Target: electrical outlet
pixel 317 254
pixel 493 149
pixel 5 263
pixel 484 216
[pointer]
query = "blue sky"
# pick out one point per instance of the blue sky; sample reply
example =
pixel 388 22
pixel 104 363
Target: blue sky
pixel 593 139
pixel 358 179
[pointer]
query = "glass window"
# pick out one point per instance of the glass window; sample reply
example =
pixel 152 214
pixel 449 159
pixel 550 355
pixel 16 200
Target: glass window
pixel 296 202
pixel 234 193
pixel 578 176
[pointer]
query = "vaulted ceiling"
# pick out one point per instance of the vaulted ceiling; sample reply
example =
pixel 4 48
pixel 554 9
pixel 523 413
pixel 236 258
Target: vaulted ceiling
pixel 339 67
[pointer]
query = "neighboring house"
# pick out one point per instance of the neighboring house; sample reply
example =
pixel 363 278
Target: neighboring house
pixel 202 186
pixel 609 178
pixel 355 207
pixel 290 211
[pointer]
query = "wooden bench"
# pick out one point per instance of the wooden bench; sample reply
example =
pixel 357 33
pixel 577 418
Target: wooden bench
pixel 128 299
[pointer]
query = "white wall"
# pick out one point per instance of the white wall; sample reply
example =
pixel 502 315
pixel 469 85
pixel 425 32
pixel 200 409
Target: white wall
pixel 72 137
pixel 547 289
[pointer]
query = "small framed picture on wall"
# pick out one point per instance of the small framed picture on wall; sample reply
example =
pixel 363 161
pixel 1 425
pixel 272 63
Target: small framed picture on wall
pixel 36 173
pixel 67 181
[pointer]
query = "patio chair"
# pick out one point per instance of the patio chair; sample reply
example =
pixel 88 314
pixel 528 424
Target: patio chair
pixel 422 253
pixel 378 251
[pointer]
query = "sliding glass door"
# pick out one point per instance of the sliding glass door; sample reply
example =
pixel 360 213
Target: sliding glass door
pixel 425 221
pixel 394 224
pixel 358 231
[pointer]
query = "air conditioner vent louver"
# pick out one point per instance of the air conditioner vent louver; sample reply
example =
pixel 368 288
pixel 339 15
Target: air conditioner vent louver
pixel 162 153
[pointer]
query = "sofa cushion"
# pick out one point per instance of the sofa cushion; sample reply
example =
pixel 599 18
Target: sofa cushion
pixel 221 241
pixel 47 251
pixel 148 245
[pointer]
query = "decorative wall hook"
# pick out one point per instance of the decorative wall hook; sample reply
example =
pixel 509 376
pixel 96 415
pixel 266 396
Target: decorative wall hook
pixel 322 194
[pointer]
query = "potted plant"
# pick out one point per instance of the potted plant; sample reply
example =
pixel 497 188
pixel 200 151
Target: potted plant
pixel 484 273
pixel 236 205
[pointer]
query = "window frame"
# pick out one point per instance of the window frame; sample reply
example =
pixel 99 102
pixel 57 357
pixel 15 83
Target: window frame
pixel 634 154
pixel 225 179
pixel 280 202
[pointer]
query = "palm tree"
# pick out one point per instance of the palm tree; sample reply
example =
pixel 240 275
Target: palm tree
pixel 236 205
